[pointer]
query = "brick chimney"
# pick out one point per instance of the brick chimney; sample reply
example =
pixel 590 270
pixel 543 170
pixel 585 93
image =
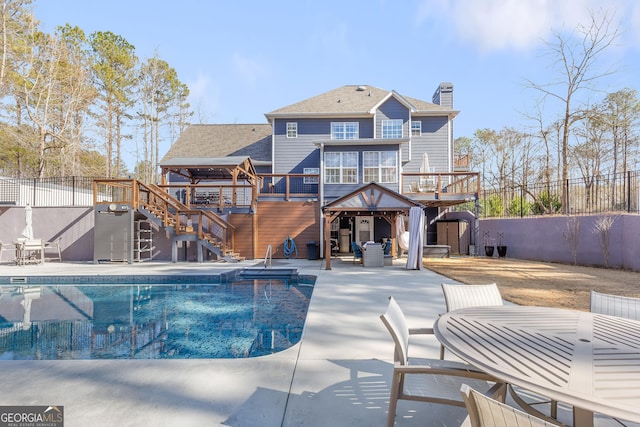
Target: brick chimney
pixel 444 95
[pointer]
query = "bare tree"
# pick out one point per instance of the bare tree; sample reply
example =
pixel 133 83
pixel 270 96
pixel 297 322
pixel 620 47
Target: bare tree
pixel 602 227
pixel 51 87
pixel 570 234
pixel 576 62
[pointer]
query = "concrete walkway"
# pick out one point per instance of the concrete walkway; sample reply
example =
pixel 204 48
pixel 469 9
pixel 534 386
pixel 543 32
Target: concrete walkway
pixel 338 375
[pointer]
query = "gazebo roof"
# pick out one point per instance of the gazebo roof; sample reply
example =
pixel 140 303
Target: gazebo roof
pixel 368 199
pixel 210 168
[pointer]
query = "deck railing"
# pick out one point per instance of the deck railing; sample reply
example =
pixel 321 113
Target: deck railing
pixel 288 186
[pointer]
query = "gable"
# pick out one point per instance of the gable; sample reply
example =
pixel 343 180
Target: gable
pixel 371 197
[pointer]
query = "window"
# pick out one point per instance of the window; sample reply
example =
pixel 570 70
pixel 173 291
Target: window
pixel 416 128
pixel 392 129
pixel 292 130
pixel 311 179
pixel 341 168
pixel 344 130
pixel 380 166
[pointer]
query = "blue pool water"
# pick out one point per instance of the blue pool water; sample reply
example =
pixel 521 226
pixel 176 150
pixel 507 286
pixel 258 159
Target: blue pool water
pixel 241 318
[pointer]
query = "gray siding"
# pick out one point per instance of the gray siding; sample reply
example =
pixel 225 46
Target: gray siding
pixel 390 110
pixel 291 155
pixel 433 141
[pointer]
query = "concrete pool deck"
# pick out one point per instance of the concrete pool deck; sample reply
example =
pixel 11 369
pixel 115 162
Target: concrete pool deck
pixel 338 375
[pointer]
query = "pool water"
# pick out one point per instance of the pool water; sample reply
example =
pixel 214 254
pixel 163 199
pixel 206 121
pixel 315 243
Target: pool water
pixel 244 318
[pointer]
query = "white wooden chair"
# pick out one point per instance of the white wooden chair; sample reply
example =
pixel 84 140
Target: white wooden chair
pixel 55 245
pixel 463 296
pixel 487 412
pixel 7 247
pixel 615 305
pixel 411 379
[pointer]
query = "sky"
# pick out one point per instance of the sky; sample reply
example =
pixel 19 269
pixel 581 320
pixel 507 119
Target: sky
pixel 242 59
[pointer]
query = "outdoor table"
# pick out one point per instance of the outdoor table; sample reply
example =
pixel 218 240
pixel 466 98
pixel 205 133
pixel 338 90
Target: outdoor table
pixel 588 360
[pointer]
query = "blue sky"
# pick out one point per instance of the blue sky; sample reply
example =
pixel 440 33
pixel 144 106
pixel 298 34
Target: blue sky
pixel 242 59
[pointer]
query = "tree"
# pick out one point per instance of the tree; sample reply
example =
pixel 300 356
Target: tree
pixel 52 86
pixel 114 69
pixel 163 102
pixel 575 60
pixel 590 153
pixel 619 113
pixel 16 21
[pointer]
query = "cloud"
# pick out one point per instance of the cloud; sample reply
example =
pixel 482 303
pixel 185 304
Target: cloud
pixel 250 70
pixel 199 87
pixel 634 25
pixel 203 98
pixel 494 25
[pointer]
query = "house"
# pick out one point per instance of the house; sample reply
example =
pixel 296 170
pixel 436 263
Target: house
pixel 354 135
pixel 323 148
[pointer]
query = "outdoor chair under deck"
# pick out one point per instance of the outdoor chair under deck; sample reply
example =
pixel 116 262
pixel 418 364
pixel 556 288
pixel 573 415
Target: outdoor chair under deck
pixel 487 412
pixel 428 380
pixel 615 305
pixel 357 252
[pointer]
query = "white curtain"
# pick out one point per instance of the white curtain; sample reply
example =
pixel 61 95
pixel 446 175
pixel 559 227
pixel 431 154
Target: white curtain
pixel 401 234
pixel 416 231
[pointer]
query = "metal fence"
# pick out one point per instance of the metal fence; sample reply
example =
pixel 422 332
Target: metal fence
pixel 602 193
pixel 49 192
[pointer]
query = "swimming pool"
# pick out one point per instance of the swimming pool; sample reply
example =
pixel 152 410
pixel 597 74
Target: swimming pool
pixel 198 317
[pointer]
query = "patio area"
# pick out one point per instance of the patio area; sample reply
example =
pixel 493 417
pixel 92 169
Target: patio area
pixel 338 375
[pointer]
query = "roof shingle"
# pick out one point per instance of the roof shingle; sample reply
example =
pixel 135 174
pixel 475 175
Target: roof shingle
pixel 249 140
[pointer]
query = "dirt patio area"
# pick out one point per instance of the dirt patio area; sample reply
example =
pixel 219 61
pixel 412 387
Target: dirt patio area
pixel 538 283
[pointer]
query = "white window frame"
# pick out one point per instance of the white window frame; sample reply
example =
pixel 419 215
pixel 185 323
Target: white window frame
pixel 390 127
pixel 383 171
pixel 416 130
pixel 343 130
pixel 311 179
pixel 343 172
pixel 292 129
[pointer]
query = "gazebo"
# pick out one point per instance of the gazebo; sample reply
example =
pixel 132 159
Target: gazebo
pixel 372 199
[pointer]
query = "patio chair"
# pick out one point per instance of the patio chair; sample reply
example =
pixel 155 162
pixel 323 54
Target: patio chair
pixel 463 296
pixel 357 252
pixel 6 247
pixel 428 380
pixel 487 412
pixel 387 247
pixel 55 245
pixel 615 305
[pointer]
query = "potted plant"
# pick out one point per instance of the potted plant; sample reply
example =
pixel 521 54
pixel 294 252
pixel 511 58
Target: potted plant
pixel 502 248
pixel 488 245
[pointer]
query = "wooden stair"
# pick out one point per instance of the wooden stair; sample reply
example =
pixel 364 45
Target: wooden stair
pixel 208 229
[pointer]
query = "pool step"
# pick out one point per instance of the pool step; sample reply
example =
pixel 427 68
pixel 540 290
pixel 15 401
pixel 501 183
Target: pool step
pixel 268 273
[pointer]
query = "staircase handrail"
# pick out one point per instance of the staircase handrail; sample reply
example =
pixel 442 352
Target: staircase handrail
pixel 268 254
pixel 181 209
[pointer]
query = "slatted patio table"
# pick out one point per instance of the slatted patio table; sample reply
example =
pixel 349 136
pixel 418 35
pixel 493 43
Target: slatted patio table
pixel 588 360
